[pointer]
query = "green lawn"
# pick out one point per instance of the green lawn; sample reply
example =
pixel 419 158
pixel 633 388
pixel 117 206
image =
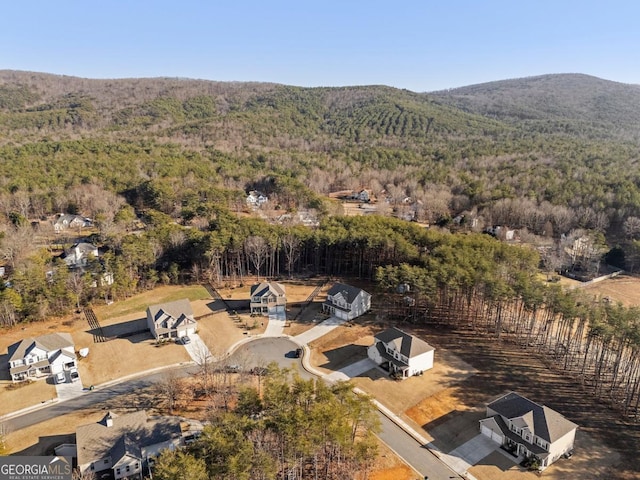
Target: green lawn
pixel 140 302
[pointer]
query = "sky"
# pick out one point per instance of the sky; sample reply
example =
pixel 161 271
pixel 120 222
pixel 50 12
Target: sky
pixel 422 46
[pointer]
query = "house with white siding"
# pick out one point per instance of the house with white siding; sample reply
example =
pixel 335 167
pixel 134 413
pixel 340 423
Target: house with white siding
pixel 400 353
pixel 171 320
pixel 268 297
pixel 528 429
pixel 39 357
pixel 346 302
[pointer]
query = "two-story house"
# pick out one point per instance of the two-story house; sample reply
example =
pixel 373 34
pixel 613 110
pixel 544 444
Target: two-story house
pixel 528 429
pixel 171 319
pixel 78 255
pixel 403 354
pixel 268 297
pixel 66 221
pixel 346 302
pixel 39 357
pixel 123 444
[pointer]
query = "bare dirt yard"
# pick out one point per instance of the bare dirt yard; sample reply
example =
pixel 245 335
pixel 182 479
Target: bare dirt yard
pixel 623 288
pixel 16 396
pixel 448 401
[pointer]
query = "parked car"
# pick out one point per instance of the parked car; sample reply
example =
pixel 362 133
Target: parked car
pixel 60 377
pixel 184 340
pixel 233 368
pixel 73 374
pixel 298 353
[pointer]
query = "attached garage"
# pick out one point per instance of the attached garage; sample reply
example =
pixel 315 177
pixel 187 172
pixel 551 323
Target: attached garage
pixel 489 428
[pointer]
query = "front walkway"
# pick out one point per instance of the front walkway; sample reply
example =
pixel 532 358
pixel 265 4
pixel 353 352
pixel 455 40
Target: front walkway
pixel 318 331
pixel 469 453
pixel 275 327
pixel 198 350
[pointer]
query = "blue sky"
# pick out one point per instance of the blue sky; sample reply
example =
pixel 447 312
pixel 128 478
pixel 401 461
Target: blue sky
pixel 419 45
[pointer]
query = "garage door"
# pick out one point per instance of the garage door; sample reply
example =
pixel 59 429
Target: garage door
pixel 496 437
pixel 280 308
pixel 191 331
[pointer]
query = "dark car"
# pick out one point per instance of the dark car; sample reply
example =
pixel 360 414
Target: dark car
pixel 298 353
pixel 184 340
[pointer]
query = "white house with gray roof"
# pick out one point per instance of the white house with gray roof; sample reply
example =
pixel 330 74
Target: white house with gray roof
pixel 123 444
pixel 346 302
pixel 39 357
pixel 266 297
pixel 171 319
pixel 528 429
pixel 401 353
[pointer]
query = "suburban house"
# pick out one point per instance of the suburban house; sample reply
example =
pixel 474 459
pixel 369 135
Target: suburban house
pixel 402 354
pixel 78 255
pixel 346 302
pixel 256 199
pixel 123 444
pixel 66 221
pixel 42 356
pixel 528 430
pixel 171 320
pixel 268 297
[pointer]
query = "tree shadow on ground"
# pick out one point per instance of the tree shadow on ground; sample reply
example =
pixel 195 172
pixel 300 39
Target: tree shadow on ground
pixel 343 356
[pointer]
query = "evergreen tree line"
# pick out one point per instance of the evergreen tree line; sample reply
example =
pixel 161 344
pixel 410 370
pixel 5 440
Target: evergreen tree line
pixel 292 428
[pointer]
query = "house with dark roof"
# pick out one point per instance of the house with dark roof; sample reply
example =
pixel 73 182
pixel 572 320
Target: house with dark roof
pixel 171 319
pixel 346 302
pixel 400 353
pixel 268 297
pixel 123 444
pixel 39 357
pixel 528 429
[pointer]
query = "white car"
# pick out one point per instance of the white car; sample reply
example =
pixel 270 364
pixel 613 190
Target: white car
pixel 60 377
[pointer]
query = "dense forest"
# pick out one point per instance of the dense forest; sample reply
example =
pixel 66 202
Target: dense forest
pixel 162 167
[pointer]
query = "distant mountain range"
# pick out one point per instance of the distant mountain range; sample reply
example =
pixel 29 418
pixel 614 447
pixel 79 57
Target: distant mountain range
pixel 567 104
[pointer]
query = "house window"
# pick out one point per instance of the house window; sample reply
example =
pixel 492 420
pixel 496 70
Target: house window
pixel 93 467
pixel 117 471
pixel 128 468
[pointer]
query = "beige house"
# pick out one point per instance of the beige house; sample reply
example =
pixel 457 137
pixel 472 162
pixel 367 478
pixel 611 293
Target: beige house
pixel 528 430
pixel 171 319
pixel 401 353
pixel 123 444
pixel 268 297
pixel 39 357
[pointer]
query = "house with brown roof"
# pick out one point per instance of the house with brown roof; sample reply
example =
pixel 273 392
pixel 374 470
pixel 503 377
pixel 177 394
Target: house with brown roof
pixel 171 319
pixel 268 297
pixel 39 357
pixel 400 353
pixel 346 302
pixel 528 429
pixel 123 444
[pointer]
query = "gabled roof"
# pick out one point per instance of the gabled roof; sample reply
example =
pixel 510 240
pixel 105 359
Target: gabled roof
pixel 48 343
pixel 125 447
pixel 541 420
pixel 348 292
pixel 263 288
pixel 174 309
pixel 406 344
pixel 97 441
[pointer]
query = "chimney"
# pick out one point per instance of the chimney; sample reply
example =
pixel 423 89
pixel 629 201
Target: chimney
pixel 108 419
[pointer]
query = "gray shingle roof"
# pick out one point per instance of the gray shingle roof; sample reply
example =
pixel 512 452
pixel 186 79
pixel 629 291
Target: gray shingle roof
pixel 541 420
pixel 48 343
pixel 261 289
pixel 96 441
pixel 348 292
pixel 406 344
pixel 174 309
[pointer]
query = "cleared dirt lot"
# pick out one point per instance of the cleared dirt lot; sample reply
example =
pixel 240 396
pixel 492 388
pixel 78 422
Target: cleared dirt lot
pixel 623 288
pixel 469 370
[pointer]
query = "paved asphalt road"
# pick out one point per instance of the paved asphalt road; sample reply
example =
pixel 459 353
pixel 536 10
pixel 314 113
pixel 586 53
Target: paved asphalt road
pixel 258 352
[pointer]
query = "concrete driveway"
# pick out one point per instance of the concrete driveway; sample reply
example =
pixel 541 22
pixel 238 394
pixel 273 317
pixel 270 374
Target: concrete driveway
pixel 198 350
pixel 469 453
pixel 275 327
pixel 318 331
pixel 69 389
